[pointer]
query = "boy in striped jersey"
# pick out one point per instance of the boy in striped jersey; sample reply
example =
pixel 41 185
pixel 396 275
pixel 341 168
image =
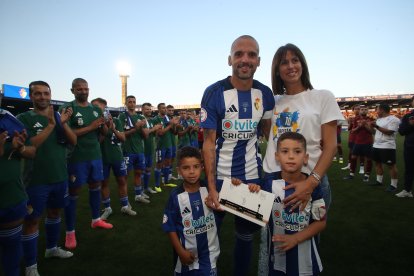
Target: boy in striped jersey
pixel 190 224
pixel 291 236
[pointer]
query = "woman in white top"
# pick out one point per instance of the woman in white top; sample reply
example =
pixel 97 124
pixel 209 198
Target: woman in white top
pixel 301 108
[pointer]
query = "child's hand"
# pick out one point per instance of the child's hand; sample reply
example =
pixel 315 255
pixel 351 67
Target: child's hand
pixel 236 181
pixel 285 242
pixel 254 188
pixel 187 257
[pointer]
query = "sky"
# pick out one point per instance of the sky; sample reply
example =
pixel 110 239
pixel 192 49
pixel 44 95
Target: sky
pixel 175 49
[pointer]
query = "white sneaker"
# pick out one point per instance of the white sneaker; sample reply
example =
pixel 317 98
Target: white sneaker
pixel 404 193
pixel 347 167
pixel 361 170
pixel 58 252
pixel 151 191
pixel 144 195
pixel 128 210
pixel 141 199
pixel 32 271
pixel 107 212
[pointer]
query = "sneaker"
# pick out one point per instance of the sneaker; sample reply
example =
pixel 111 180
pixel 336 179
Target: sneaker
pixel 32 271
pixel 366 178
pixel 107 212
pixel 128 210
pixel 144 195
pixel 58 252
pixel 391 189
pixel 158 189
pixel 348 177
pixel 404 193
pixel 334 159
pixel 101 224
pixel 170 185
pixel 361 170
pixel 70 241
pixel 376 183
pixel 141 199
pixel 341 160
pixel 347 167
pixel 151 191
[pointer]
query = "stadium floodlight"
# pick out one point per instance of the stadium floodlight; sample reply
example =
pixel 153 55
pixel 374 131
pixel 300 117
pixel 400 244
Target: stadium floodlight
pixel 124 69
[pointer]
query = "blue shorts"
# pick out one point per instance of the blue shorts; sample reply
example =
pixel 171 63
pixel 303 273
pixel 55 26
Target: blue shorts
pixel 162 154
pixel 13 213
pixel 119 168
pixel 52 196
pixel 198 272
pixel 135 161
pixel 148 160
pixel 84 172
pixel 362 150
pixel 173 151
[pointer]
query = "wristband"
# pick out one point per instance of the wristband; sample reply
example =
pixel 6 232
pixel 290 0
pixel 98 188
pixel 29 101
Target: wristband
pixel 316 176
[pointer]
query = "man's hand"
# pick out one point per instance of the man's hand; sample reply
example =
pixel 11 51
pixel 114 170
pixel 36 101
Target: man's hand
pixel 97 123
pixel 65 115
pixel 19 139
pixel 212 200
pixel 140 123
pixel 300 197
pixel 187 257
pixel 51 116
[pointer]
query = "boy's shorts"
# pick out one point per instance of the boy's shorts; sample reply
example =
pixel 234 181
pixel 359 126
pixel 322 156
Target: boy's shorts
pixel 16 212
pixel 84 172
pixel 136 161
pixel 51 196
pixel 119 168
pixel 162 154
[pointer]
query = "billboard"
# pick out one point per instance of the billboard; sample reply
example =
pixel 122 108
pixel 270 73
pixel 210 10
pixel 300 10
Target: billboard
pixel 17 92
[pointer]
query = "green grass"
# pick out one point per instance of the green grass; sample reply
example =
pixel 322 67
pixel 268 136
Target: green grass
pixel 369 232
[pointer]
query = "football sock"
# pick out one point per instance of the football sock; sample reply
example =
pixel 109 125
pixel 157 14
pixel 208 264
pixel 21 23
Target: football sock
pixel 52 227
pixel 106 202
pixel 95 202
pixel 11 242
pixel 29 243
pixel 70 213
pixel 124 201
pixel 157 176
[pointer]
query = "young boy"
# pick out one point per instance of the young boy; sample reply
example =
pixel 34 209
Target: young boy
pixel 190 224
pixel 292 248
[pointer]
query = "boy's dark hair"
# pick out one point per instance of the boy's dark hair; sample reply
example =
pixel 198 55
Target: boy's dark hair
pixel 100 100
pixel 385 107
pixel 186 152
pixel 296 136
pixel 37 83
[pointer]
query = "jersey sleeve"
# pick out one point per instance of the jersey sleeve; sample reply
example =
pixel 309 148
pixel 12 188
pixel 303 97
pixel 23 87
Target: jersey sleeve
pixel 318 209
pixel 395 123
pixel 329 107
pixel 170 215
pixel 268 103
pixel 209 108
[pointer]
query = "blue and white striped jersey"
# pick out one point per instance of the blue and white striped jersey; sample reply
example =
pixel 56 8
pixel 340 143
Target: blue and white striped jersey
pixel 235 115
pixel 195 224
pixel 302 259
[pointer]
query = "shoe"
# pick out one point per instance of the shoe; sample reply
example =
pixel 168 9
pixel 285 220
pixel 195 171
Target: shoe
pixel 170 185
pixel 128 210
pixel 107 212
pixel 341 160
pixel 347 167
pixel 141 199
pixel 101 224
pixel 70 241
pixel 366 178
pixel 361 170
pixel 348 177
pixel 144 195
pixel 151 191
pixel 158 189
pixel 376 183
pixel 58 252
pixel 404 193
pixel 391 189
pixel 32 271
pixel 334 159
